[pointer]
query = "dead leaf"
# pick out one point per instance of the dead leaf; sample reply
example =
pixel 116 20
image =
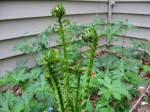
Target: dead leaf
pixel 141 89
pixel 144 107
pixel 93 74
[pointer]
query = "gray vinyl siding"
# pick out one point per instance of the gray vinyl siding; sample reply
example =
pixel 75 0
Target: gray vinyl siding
pixel 138 13
pixel 26 19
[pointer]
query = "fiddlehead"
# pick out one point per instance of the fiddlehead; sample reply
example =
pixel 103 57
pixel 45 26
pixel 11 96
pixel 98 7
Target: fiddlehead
pixel 51 62
pixel 90 37
pixel 58 11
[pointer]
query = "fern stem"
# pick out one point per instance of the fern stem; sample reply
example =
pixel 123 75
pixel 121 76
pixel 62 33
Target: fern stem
pixel 56 87
pixel 77 94
pixel 65 55
pixel 44 97
pixel 67 76
pixel 89 75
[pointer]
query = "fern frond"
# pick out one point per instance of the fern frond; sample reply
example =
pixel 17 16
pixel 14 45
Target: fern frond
pixel 90 36
pixel 51 60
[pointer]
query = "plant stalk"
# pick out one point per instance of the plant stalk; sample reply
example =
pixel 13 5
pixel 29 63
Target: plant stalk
pixel 77 94
pixel 67 76
pixel 89 75
pixel 123 42
pixel 65 55
pixel 53 79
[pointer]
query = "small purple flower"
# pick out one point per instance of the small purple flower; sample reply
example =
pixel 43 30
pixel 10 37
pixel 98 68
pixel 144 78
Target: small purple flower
pixel 50 109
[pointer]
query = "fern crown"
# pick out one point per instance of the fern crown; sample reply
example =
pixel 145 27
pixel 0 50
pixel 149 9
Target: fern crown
pixel 58 11
pixel 90 35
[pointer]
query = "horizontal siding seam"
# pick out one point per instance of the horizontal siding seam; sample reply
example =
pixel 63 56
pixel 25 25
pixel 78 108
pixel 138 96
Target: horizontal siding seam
pixel 23 54
pixel 6 19
pixel 137 1
pixel 131 37
pixel 66 0
pixel 131 13
pixel 36 34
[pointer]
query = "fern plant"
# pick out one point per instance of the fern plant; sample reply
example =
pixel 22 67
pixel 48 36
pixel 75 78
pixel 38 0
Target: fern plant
pixel 53 61
pixel 89 36
pixel 59 12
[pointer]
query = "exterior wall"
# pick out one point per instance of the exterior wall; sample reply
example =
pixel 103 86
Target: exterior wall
pixel 18 18
pixel 138 13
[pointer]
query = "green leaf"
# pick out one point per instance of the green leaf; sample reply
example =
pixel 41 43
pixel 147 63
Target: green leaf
pixel 18 107
pixel 113 88
pixel 89 106
pixel 36 72
pixel 106 109
pixel 18 76
pixel 101 103
pixel 146 68
pixel 7 101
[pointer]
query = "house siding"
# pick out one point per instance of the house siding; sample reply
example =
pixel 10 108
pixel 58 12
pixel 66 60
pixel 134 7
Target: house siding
pixel 138 14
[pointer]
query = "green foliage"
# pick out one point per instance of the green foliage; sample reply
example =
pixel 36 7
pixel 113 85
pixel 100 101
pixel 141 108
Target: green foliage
pixel 89 106
pixel 18 77
pixel 36 94
pixel 146 68
pixel 118 82
pixel 35 45
pixel 6 101
pixel 143 46
pixel 113 88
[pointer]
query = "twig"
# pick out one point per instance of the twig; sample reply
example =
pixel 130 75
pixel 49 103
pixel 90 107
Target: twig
pixel 123 42
pixel 139 99
pixel 147 52
pixel 34 59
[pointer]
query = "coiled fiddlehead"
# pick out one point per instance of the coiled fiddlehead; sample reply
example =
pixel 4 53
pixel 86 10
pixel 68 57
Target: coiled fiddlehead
pixel 51 62
pixel 58 11
pixel 90 37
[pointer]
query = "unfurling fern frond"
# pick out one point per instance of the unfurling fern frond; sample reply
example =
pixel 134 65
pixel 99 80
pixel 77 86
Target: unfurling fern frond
pixel 58 11
pixel 54 64
pixel 51 60
pixel 64 33
pixel 90 36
